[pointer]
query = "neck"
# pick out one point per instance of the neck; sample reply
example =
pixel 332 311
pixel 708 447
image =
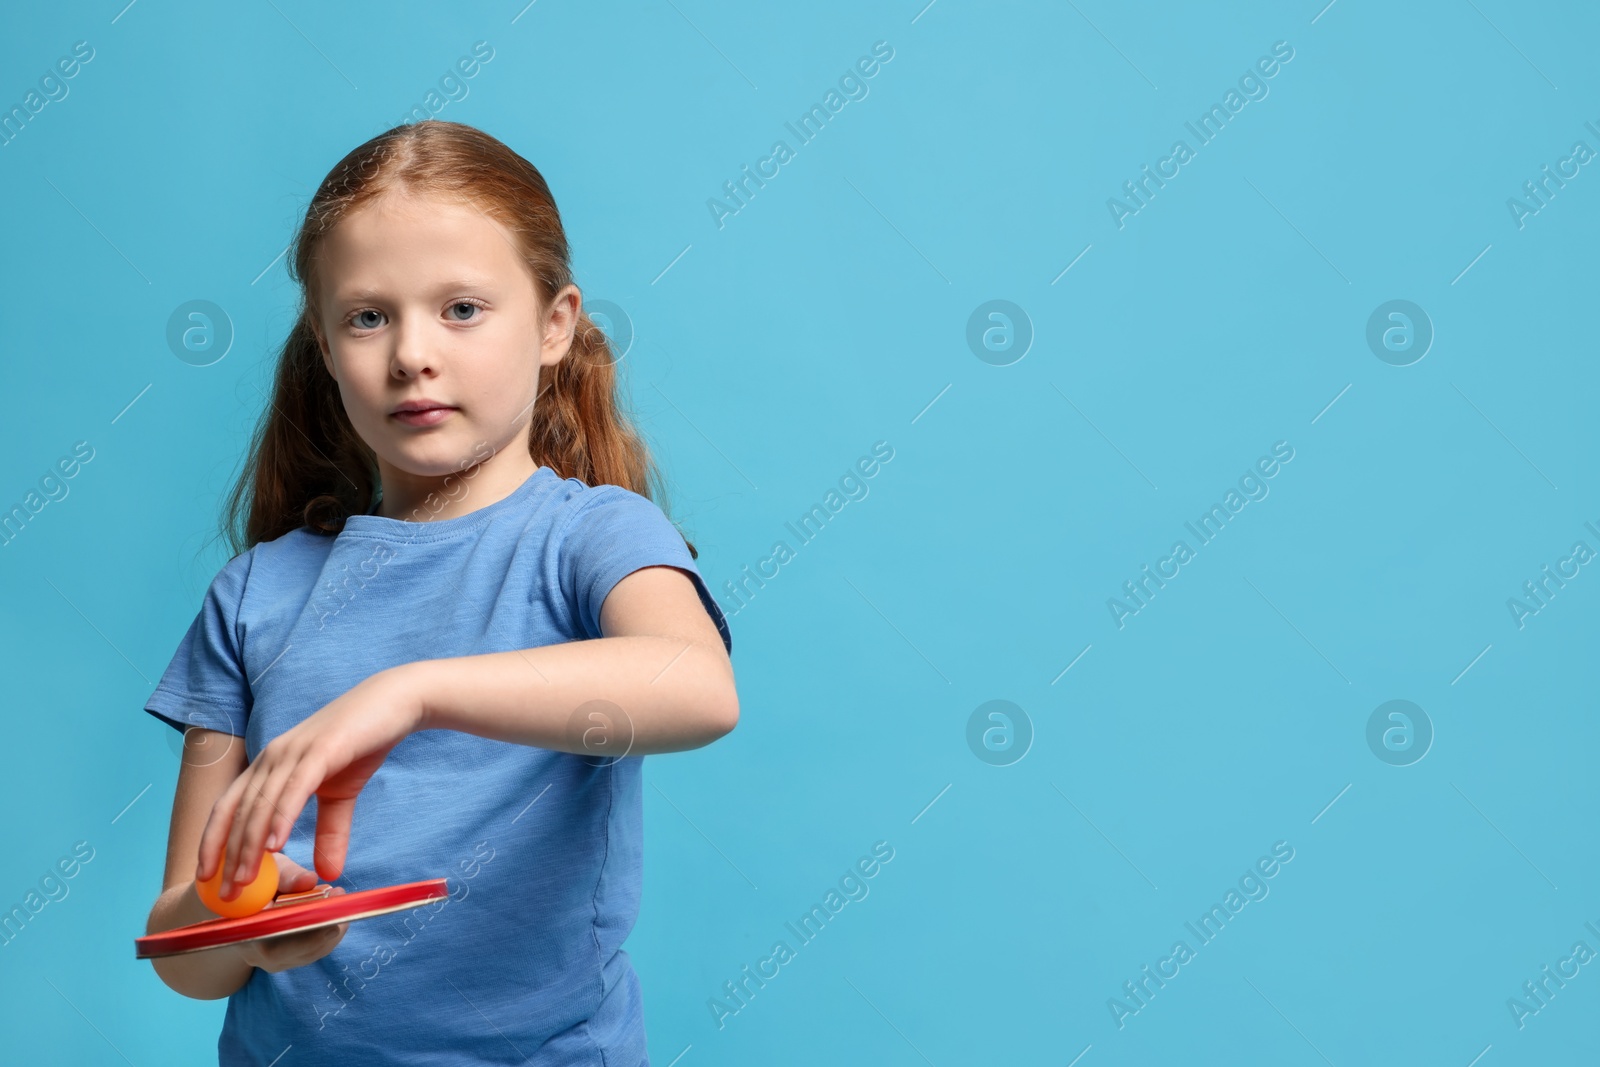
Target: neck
pixel 431 498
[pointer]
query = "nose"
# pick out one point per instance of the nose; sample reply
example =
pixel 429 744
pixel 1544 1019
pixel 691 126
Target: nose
pixel 411 357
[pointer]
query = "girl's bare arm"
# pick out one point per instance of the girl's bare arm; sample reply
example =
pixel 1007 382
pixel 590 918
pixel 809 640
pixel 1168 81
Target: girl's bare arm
pixel 211 761
pixel 658 681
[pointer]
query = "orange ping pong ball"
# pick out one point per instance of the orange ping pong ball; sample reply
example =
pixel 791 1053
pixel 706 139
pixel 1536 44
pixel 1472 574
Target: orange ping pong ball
pixel 251 898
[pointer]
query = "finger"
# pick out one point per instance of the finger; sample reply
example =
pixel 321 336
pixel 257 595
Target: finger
pixel 285 812
pixel 292 878
pixel 290 800
pixel 213 838
pixel 232 849
pixel 252 825
pixel 218 825
pixel 333 834
pixel 285 863
pixel 287 797
pixel 249 824
pixel 309 945
pixel 318 941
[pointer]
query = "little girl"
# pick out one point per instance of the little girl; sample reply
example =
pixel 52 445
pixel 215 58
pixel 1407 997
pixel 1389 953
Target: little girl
pixel 457 620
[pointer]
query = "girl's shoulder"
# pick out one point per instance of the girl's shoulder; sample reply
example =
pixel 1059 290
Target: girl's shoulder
pixel 271 564
pixel 607 512
pixel 296 544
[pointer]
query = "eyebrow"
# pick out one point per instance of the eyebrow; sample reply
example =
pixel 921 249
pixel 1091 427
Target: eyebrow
pixel 372 292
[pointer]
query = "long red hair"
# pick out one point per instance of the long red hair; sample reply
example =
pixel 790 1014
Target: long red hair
pixel 306 466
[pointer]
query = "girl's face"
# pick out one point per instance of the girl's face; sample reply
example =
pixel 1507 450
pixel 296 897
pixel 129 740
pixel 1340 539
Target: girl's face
pixel 426 299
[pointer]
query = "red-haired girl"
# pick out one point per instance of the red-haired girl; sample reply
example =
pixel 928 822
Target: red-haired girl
pixel 457 619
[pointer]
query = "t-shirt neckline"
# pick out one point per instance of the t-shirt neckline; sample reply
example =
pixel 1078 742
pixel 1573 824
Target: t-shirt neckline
pixel 380 525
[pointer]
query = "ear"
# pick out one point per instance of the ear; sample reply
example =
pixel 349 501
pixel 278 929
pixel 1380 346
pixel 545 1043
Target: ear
pixel 560 326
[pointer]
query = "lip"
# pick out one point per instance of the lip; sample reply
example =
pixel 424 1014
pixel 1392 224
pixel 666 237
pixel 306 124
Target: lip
pixel 422 413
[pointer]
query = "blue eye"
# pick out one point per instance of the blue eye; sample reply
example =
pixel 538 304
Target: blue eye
pixel 358 320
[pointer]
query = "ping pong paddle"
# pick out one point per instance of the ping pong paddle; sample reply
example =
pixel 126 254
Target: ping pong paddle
pixel 290 914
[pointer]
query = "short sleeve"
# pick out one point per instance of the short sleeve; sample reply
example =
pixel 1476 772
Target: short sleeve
pixel 205 684
pixel 613 533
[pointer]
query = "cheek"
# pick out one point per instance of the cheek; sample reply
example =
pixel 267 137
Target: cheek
pixel 362 391
pixel 502 381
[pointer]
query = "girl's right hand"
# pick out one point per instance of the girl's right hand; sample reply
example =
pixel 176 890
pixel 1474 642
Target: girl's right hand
pixel 285 951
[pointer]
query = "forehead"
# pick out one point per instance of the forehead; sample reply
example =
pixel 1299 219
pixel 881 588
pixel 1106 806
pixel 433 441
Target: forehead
pixel 403 239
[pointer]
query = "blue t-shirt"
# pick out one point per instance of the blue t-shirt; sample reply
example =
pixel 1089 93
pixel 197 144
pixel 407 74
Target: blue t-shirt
pixel 541 850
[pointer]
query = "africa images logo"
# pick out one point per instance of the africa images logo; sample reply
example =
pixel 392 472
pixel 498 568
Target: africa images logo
pixel 1205 129
pixel 1252 487
pixel 852 87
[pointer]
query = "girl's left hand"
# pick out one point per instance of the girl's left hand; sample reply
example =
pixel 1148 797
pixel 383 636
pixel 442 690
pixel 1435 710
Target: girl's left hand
pixel 331 754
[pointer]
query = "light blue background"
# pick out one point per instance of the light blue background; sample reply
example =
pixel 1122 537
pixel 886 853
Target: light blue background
pixel 831 313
